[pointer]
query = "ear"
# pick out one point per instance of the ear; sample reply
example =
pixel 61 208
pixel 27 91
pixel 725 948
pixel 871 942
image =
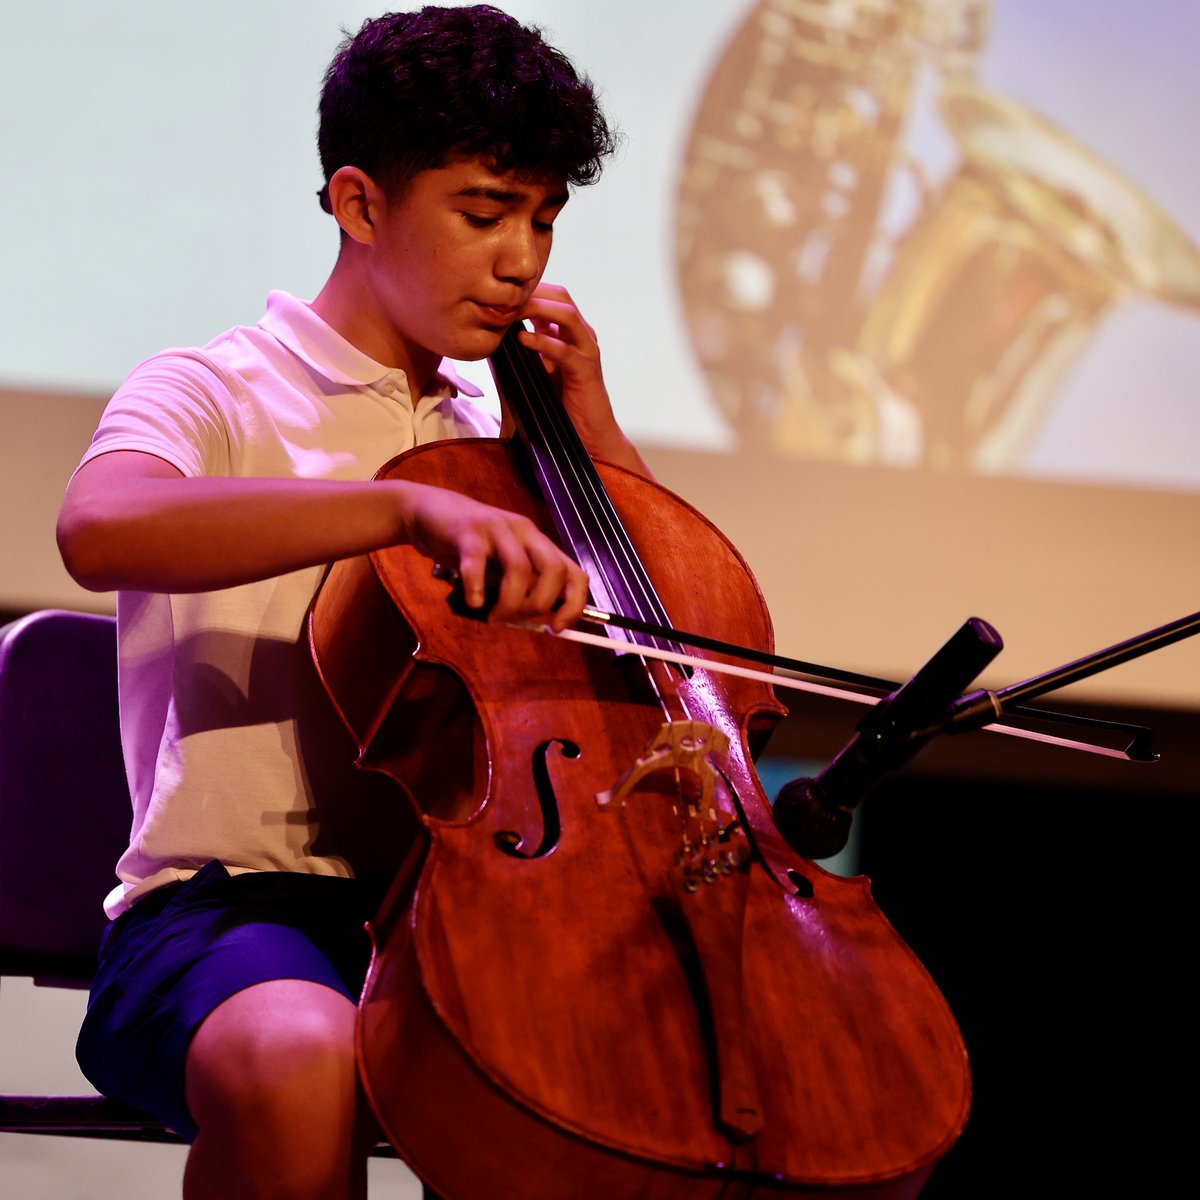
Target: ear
pixel 356 201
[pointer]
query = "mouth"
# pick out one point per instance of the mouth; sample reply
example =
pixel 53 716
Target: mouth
pixel 498 316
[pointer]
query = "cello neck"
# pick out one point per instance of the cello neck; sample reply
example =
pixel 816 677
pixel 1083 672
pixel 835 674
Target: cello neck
pixel 587 523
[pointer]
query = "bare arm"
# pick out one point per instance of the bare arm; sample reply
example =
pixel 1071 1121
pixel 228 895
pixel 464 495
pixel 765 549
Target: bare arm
pixel 131 520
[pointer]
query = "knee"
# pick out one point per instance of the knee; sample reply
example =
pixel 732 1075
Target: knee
pixel 273 1089
pixel 299 1062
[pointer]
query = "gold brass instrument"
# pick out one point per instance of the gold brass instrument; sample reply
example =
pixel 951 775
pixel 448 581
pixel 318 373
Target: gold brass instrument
pixel 844 305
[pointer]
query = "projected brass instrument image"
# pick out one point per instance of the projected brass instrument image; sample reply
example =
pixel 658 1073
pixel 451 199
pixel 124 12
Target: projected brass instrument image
pixel 845 305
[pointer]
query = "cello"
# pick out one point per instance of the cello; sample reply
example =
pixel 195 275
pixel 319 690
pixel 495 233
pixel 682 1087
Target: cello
pixel 600 970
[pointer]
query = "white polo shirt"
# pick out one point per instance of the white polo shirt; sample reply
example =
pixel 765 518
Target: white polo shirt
pixel 221 718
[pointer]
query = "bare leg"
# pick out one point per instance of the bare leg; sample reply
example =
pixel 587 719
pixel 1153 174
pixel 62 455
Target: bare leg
pixel 272 1085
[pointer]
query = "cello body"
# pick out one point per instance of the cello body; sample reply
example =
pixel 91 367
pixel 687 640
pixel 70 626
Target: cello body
pixel 600 972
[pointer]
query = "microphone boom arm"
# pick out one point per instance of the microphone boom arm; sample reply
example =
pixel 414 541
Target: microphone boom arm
pixel 814 815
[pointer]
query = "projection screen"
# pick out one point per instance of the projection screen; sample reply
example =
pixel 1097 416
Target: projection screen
pixel 901 293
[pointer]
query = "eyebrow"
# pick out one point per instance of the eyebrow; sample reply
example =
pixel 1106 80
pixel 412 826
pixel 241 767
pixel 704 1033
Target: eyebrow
pixel 509 195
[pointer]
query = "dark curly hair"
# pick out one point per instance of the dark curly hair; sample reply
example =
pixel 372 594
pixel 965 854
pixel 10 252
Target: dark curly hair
pixel 413 91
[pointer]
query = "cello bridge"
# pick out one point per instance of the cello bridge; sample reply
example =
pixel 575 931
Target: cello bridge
pixel 708 849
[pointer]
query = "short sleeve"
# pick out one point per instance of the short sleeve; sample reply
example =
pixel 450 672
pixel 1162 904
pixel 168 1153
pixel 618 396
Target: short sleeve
pixel 174 406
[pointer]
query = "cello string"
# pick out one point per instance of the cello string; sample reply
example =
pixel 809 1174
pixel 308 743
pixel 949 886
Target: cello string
pixel 554 425
pixel 603 515
pixel 555 428
pixel 550 421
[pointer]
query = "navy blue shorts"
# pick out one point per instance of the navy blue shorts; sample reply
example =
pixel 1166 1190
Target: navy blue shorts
pixel 187 947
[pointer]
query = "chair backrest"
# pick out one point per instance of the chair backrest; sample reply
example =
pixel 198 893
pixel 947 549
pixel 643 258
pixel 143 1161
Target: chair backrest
pixel 64 801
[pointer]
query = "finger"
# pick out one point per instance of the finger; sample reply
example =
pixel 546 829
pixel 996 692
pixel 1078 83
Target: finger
pixel 547 586
pixel 516 574
pixel 538 580
pixel 552 291
pixel 472 569
pixel 553 305
pixel 562 352
pixel 564 322
pixel 574 598
pixel 559 591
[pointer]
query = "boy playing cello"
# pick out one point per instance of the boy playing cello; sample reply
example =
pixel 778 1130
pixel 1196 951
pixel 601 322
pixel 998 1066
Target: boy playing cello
pixel 221 481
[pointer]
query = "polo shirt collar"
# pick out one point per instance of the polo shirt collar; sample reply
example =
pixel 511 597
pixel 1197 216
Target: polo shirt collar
pixel 294 324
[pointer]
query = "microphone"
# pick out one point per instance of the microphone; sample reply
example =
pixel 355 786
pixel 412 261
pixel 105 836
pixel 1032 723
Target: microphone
pixel 814 815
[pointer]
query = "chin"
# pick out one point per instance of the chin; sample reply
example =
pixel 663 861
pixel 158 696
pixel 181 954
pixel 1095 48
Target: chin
pixel 477 345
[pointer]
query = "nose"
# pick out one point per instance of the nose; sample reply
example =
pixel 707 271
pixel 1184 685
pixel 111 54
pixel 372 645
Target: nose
pixel 522 257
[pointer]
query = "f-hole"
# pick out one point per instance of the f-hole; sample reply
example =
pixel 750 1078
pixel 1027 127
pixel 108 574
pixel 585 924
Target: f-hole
pixel 512 843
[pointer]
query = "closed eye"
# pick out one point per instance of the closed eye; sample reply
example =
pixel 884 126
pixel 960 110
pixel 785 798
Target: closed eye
pixel 477 221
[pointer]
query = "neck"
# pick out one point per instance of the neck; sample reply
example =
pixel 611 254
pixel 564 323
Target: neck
pixel 348 305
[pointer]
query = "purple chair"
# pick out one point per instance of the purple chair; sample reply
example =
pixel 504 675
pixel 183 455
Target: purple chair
pixel 64 820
